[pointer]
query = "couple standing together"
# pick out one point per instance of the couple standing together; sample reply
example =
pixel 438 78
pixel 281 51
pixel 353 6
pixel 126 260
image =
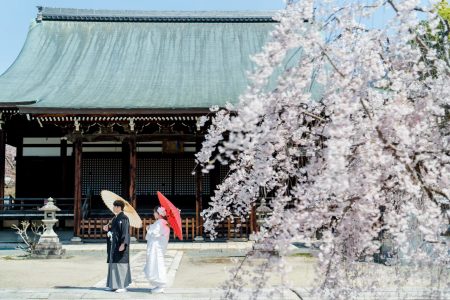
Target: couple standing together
pixel 118 243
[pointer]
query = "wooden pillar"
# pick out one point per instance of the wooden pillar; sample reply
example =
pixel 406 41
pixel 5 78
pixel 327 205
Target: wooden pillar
pixel 213 180
pixel 77 150
pixel 63 154
pixel 253 223
pixel 172 176
pixel 19 169
pixel 132 171
pixel 125 169
pixel 2 165
pixel 198 196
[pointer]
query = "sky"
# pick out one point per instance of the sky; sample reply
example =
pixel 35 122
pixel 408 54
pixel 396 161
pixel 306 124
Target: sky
pixel 16 15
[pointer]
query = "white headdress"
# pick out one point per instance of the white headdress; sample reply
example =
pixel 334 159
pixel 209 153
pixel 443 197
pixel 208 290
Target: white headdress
pixel 161 211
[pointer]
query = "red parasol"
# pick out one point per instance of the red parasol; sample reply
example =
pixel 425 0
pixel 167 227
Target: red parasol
pixel 173 215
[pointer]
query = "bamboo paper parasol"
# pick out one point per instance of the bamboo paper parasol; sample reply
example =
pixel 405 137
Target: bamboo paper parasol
pixel 109 198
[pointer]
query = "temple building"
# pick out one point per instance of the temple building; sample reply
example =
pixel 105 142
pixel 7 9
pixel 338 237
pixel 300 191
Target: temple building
pixel 110 100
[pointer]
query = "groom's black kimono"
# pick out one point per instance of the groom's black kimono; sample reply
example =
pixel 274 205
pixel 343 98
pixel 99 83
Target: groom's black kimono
pixel 119 274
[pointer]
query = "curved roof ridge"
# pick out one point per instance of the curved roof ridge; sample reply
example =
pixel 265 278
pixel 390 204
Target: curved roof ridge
pixel 97 15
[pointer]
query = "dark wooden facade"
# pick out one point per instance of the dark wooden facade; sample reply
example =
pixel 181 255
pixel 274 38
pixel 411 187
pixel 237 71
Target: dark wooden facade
pixel 78 159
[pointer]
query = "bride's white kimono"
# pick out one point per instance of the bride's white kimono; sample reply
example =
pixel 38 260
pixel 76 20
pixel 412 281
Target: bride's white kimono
pixel 157 239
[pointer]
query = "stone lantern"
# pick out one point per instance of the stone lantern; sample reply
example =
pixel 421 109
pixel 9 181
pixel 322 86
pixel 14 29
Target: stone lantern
pixel 49 245
pixel 262 212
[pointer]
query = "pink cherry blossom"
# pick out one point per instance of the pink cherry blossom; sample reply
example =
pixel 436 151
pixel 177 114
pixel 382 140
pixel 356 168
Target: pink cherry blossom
pixel 352 141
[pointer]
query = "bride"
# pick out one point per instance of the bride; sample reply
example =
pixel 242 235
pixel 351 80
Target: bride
pixel 157 239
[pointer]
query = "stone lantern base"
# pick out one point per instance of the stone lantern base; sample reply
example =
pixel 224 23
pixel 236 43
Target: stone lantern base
pixel 48 248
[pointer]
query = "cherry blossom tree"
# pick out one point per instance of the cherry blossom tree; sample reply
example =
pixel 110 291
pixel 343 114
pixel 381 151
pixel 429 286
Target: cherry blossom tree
pixel 344 127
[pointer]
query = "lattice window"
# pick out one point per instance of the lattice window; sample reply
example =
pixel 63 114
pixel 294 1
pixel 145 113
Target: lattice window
pixel 101 174
pixel 184 180
pixel 152 175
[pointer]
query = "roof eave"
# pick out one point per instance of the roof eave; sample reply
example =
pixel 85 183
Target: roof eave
pixel 113 111
pixel 15 104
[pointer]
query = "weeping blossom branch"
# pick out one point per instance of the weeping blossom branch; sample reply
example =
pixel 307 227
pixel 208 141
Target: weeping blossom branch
pixel 350 141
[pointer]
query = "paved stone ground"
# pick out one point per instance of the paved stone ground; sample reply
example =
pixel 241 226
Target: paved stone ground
pixel 172 246
pixel 140 287
pixel 198 294
pixel 172 260
pixel 96 293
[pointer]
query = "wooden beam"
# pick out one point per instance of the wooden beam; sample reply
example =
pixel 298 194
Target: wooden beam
pixel 139 137
pixel 132 170
pixel 78 150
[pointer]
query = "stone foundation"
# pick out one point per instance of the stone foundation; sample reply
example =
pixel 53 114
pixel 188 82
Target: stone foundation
pixel 48 250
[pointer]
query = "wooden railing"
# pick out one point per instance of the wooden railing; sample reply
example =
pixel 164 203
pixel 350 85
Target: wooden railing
pixel 188 226
pixel 234 229
pixel 92 229
pixel 29 207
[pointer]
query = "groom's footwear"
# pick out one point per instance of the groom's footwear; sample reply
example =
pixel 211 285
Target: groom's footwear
pixel 157 290
pixel 108 289
pixel 121 291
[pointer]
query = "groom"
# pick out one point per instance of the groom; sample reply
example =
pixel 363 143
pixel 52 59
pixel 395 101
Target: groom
pixel 118 243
